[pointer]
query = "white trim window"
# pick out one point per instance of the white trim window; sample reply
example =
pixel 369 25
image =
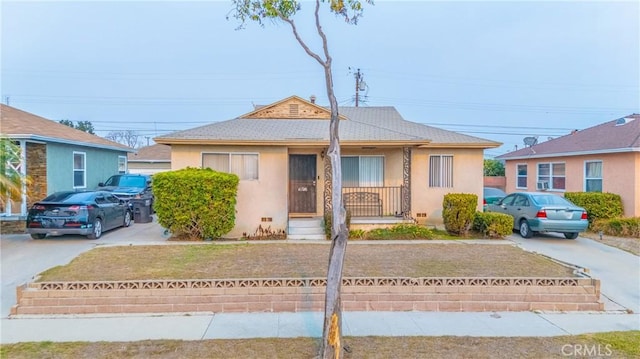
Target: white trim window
pixel 244 165
pixel 553 173
pixel 79 169
pixel 362 171
pixel 122 164
pixel 593 176
pixel 521 175
pixel 441 171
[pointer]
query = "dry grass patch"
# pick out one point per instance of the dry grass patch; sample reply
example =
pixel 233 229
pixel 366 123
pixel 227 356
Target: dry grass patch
pixel 282 260
pixel 360 347
pixel 631 245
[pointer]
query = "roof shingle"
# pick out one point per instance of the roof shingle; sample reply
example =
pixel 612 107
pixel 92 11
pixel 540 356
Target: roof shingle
pixel 18 124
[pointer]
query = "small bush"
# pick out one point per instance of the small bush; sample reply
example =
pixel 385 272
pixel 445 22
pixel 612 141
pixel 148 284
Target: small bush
pixel 598 205
pixel 196 203
pixel 400 231
pixel 458 211
pixel 619 227
pixel 493 225
pixel 357 234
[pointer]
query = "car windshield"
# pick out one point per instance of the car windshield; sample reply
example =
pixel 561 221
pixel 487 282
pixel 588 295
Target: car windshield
pixel 68 197
pixel 127 181
pixel 551 200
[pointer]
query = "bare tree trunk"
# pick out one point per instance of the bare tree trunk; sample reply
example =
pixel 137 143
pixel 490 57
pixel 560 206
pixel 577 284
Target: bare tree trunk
pixel 331 346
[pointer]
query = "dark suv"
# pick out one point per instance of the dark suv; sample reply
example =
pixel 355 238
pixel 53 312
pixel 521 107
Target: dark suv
pixel 128 186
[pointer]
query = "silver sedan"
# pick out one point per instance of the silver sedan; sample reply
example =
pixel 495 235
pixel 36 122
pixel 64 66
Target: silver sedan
pixel 542 212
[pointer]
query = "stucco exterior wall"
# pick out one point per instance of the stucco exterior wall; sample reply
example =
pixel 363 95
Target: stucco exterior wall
pixel 468 177
pixel 257 199
pixel 620 175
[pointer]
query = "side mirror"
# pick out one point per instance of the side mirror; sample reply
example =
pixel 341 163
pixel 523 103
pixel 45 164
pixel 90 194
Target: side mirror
pixel 101 184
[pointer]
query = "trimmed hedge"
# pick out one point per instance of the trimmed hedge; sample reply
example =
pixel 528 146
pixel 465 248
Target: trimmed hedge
pixel 619 227
pixel 458 211
pixel 598 205
pixel 196 203
pixel 493 225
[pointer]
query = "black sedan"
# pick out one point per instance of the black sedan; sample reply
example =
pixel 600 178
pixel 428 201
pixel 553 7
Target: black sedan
pixel 87 213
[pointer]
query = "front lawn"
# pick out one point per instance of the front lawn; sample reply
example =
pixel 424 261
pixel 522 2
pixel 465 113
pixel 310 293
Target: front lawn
pixel 613 345
pixel 285 260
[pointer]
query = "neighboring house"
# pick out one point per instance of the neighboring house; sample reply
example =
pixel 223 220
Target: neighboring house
pixel 603 158
pixel 150 159
pixel 393 170
pixel 57 157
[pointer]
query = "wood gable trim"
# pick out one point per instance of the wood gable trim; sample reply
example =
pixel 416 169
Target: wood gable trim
pixel 292 107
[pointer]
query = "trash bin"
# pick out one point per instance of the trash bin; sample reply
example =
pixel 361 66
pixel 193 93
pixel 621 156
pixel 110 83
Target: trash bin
pixel 141 210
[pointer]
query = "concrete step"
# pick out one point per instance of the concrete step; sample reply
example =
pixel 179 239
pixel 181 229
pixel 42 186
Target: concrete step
pixel 306 228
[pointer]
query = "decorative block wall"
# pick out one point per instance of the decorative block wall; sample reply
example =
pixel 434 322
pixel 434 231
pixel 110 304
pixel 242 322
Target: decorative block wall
pixel 295 295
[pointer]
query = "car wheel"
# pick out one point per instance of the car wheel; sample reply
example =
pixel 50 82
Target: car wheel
pixel 571 235
pixel 127 219
pixel 38 235
pixel 525 230
pixel 97 229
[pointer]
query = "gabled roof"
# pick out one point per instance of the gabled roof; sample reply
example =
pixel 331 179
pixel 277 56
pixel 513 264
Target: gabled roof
pixel 20 125
pixel 621 135
pixel 359 126
pixel 154 153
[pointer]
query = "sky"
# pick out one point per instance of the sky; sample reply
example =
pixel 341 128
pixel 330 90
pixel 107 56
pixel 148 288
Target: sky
pixel 499 70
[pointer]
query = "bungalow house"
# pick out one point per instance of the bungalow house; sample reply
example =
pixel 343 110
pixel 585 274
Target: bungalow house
pixel 393 170
pixel 603 158
pixel 150 159
pixel 55 157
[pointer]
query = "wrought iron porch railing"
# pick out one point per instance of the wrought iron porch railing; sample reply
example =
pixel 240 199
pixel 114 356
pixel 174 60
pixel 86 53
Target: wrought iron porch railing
pixel 373 201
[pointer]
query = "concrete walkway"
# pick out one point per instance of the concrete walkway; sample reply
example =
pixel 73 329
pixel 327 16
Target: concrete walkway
pixel 309 324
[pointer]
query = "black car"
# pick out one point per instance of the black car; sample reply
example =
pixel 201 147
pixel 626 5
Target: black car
pixel 128 186
pixel 88 213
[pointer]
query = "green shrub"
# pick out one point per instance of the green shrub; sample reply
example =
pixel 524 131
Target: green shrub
pixel 598 205
pixel 196 203
pixel 328 220
pixel 619 227
pixel 493 225
pixel 357 234
pixel 400 231
pixel 458 211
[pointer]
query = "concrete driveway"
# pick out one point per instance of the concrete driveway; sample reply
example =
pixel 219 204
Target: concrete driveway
pixel 23 258
pixel 619 271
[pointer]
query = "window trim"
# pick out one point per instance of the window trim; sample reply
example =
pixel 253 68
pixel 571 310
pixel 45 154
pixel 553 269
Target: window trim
pixel 229 154
pixel 525 176
pixel 126 164
pixel 441 172
pixel 84 169
pixel 585 178
pixel 551 175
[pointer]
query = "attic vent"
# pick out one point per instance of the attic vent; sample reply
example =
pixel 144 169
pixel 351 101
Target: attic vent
pixel 293 110
pixel 624 120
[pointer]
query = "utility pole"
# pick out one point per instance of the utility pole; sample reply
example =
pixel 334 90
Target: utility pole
pixel 360 85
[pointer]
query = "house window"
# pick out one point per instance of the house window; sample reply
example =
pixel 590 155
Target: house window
pixel 244 165
pixel 441 171
pixel 122 164
pixel 553 174
pixel 362 171
pixel 521 180
pixel 79 170
pixel 593 176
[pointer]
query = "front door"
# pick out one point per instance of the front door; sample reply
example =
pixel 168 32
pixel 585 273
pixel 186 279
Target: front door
pixel 302 183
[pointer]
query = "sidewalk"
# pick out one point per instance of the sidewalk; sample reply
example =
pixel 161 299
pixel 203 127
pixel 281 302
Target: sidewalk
pixel 309 324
